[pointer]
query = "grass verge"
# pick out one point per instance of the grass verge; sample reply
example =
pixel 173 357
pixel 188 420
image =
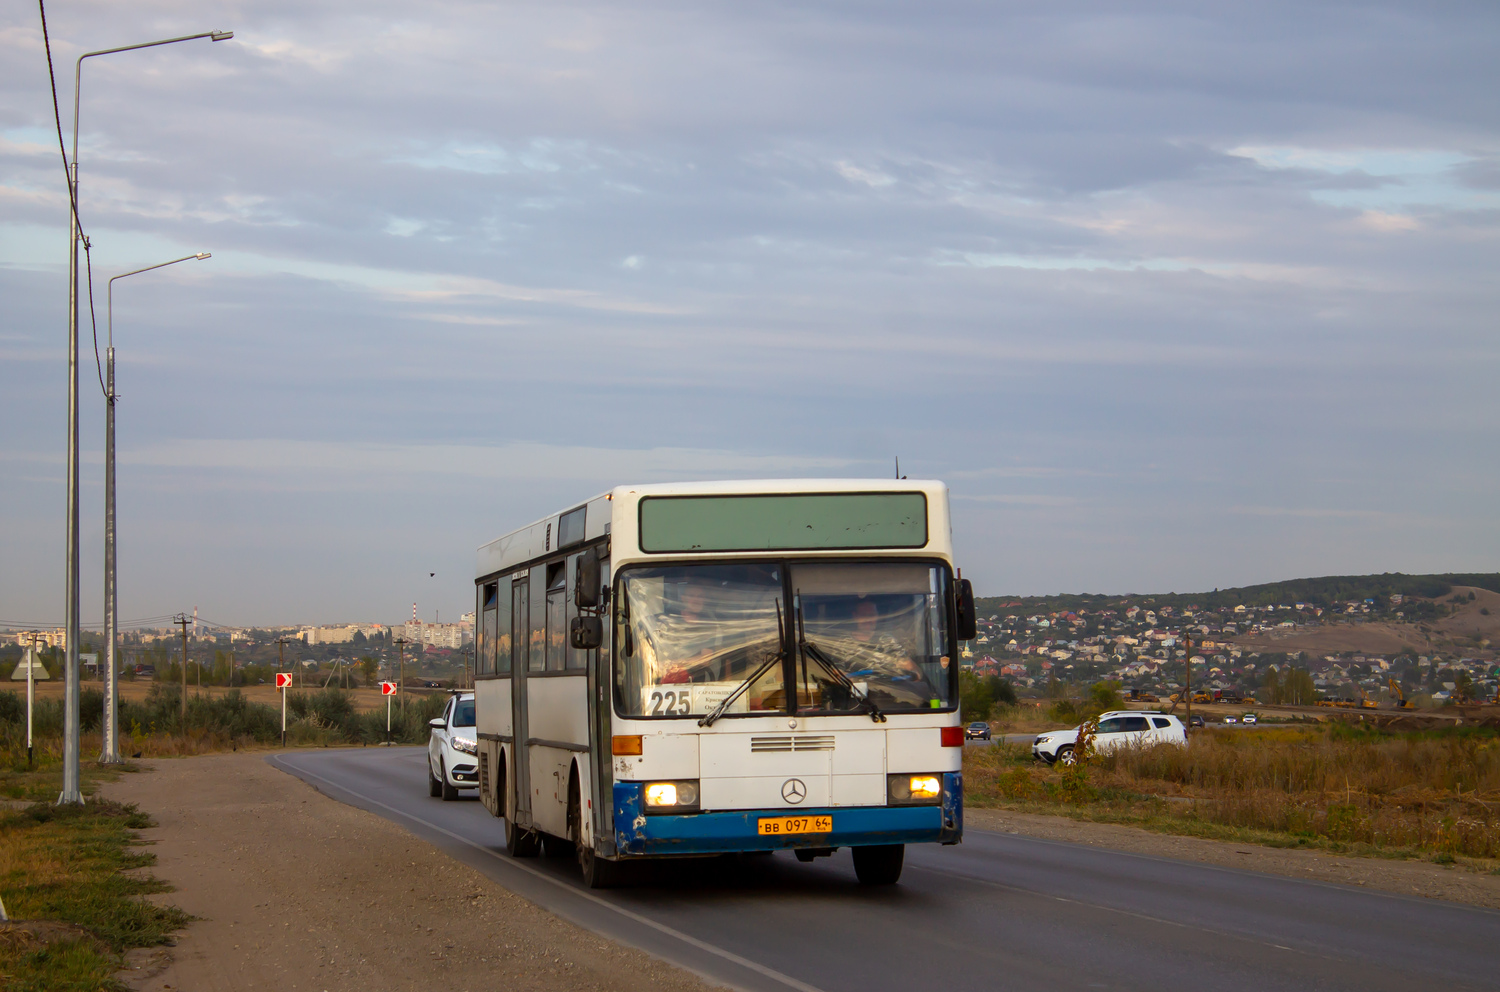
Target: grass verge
pixel 1434 796
pixel 65 872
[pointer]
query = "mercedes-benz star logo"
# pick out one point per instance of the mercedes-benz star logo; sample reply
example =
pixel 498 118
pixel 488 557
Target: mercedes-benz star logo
pixel 793 791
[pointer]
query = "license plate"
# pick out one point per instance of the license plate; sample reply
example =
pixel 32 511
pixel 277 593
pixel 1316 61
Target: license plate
pixel 779 825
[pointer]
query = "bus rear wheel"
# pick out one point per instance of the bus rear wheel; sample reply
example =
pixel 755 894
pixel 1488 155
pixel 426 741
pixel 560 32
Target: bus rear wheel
pixel 879 865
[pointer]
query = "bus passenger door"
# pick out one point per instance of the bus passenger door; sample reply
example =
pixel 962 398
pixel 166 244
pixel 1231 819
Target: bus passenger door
pixel 520 768
pixel 601 704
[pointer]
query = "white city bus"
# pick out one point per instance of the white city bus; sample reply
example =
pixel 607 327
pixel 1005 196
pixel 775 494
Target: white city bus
pixel 706 668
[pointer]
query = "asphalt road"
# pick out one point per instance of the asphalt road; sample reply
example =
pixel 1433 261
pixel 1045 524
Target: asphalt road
pixel 999 911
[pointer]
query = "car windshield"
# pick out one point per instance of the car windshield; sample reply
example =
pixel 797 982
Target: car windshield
pixel 689 635
pixel 854 637
pixel 463 713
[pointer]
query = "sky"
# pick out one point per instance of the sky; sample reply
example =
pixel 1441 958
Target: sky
pixel 1173 296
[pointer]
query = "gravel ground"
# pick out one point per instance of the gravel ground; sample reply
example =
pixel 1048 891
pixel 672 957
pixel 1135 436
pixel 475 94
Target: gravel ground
pixel 296 891
pixel 1407 877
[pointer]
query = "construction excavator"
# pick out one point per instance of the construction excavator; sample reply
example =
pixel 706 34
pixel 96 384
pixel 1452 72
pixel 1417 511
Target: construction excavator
pixel 1402 703
pixel 1365 702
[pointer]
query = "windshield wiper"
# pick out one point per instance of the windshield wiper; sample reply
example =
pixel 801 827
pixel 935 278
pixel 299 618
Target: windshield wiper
pixel 780 655
pixel 816 654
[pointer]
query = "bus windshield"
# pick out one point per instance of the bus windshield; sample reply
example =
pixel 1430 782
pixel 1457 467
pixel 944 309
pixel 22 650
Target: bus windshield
pixel 871 632
pixel 850 634
pixel 689 635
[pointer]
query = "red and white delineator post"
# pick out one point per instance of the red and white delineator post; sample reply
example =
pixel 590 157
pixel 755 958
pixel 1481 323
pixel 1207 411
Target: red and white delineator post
pixel 283 683
pixel 388 690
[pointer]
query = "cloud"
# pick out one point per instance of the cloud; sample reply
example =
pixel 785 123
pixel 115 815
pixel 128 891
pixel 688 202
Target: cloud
pixel 1159 280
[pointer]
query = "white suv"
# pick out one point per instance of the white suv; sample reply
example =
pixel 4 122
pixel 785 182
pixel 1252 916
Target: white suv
pixel 451 749
pixel 1117 729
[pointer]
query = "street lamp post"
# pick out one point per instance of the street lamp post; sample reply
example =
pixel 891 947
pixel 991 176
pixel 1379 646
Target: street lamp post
pixel 70 790
pixel 109 752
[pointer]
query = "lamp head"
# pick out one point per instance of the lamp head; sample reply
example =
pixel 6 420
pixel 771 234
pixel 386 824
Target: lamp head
pixel 220 35
pixel 202 255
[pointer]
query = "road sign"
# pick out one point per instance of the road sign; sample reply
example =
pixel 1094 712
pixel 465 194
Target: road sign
pixel 387 688
pixel 283 680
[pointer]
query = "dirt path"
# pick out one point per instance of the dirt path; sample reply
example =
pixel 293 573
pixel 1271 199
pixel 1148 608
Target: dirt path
pixel 298 892
pixel 1418 878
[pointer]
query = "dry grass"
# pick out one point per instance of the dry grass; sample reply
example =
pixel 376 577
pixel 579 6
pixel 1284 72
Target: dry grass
pixel 68 872
pixel 1434 794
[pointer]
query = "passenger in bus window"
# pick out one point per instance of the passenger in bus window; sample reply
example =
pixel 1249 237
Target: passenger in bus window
pixel 696 633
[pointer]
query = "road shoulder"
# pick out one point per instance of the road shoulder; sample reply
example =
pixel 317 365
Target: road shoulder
pixel 1412 878
pixel 295 890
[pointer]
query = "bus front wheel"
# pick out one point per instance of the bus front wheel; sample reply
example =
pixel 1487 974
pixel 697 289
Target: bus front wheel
pixel 598 873
pixel 879 865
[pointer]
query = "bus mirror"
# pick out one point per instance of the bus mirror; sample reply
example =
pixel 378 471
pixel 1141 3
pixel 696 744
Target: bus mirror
pixel 968 626
pixel 586 633
pixel 586 582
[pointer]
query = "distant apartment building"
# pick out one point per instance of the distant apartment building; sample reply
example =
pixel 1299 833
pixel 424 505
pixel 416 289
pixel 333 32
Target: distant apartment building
pixel 438 636
pixel 341 633
pixel 57 638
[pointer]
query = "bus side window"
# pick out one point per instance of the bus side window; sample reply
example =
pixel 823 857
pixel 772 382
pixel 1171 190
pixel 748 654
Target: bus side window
pixel 484 655
pixel 503 633
pixel 538 619
pixel 557 616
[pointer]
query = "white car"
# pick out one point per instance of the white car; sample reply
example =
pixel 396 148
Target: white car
pixel 1117 729
pixel 451 749
pixel 1249 718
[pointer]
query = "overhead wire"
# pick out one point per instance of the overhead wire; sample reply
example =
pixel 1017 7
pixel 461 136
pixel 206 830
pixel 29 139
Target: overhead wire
pixel 72 195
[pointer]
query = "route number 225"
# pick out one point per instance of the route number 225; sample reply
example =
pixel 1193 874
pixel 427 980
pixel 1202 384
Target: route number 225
pixel 670 702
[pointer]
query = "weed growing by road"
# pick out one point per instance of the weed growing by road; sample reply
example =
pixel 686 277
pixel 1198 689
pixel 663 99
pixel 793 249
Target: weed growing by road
pixel 1430 793
pixel 63 873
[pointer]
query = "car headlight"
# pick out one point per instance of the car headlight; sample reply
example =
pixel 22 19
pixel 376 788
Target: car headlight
pixel 914 790
pixel 467 747
pixel 671 797
pixel 1039 741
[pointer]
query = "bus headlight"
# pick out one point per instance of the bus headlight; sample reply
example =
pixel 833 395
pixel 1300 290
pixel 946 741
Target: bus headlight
pixel 914 790
pixel 671 797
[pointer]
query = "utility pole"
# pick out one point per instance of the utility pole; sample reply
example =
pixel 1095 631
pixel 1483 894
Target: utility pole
pixel 182 621
pixel 1187 679
pixel 30 697
pixel 401 671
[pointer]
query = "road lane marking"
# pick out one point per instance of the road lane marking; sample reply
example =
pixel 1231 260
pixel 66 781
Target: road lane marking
pixel 702 945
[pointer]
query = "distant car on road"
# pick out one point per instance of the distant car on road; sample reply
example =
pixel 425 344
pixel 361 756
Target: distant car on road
pixel 1117 729
pixel 1230 719
pixel 1249 719
pixel 977 731
pixel 452 747
pixel 1196 721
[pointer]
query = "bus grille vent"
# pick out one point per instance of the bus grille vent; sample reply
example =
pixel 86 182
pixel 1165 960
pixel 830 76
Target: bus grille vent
pixel 787 742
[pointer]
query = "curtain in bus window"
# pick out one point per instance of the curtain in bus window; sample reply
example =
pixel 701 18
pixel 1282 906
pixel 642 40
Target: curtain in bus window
pixel 557 616
pixel 538 619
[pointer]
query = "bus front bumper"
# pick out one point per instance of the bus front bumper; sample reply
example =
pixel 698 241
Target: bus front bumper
pixel 726 832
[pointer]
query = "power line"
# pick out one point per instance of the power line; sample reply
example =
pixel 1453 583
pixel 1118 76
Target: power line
pixel 68 172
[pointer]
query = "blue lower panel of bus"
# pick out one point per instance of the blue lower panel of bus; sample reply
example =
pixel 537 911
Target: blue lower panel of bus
pixel 716 833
